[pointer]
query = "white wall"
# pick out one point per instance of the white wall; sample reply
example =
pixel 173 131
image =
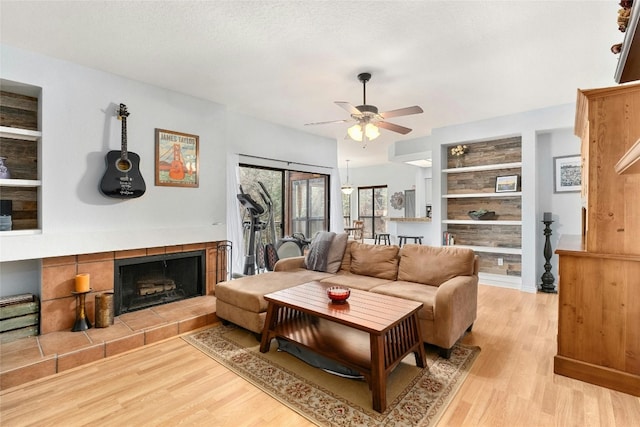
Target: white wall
pixel 565 207
pixel 398 177
pixel 79 127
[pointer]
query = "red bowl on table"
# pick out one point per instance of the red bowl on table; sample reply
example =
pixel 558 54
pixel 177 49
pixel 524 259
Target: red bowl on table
pixel 338 294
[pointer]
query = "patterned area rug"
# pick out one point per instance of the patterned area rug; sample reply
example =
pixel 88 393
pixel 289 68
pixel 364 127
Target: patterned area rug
pixel 415 396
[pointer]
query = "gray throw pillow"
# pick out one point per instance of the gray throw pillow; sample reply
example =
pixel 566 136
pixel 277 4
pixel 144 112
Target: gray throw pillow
pixel 317 257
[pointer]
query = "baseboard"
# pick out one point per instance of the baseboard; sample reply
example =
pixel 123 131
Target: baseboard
pixel 598 375
pixel 501 281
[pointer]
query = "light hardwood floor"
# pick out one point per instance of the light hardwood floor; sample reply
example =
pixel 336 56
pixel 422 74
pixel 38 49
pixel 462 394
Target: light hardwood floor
pixel 170 383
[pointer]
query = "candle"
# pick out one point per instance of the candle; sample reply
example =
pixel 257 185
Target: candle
pixel 82 282
pixel 547 216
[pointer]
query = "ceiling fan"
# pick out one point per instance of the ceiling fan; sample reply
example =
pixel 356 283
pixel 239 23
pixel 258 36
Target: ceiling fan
pixel 367 117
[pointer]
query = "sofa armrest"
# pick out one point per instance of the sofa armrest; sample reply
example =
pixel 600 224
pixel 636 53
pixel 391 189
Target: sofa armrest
pixel 455 308
pixel 289 264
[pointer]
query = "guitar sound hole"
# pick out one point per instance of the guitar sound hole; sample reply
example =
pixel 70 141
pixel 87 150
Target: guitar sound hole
pixel 123 165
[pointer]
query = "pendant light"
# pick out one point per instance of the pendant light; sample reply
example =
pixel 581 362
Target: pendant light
pixel 347 188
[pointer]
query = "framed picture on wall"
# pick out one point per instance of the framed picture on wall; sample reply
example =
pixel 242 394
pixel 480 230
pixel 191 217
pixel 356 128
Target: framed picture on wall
pixel 567 174
pixel 507 183
pixel 177 159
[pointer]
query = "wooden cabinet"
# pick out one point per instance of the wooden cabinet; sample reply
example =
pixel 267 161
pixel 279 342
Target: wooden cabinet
pixel 608 122
pixel 472 186
pixel 599 285
pixel 20 145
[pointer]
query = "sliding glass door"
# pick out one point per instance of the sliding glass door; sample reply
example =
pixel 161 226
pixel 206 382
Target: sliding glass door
pixel 308 203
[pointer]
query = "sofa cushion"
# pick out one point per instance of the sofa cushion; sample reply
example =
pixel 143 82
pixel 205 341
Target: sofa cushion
pixel 431 265
pixel 345 266
pixel 248 292
pixel 318 255
pixel 379 261
pixel 354 281
pixel 412 291
pixel 336 252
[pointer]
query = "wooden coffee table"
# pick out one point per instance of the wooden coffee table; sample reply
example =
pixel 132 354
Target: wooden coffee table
pixel 370 333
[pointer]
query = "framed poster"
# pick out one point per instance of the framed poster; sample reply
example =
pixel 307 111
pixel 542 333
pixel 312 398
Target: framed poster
pixel 567 174
pixel 507 183
pixel 177 160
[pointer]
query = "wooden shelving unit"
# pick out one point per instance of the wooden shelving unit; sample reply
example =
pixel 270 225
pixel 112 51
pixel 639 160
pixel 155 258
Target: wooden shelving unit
pixel 598 308
pixel 472 187
pixel 20 143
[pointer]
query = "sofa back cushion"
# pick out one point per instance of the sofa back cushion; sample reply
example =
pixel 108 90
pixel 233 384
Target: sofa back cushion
pixel 346 258
pixel 379 261
pixel 336 252
pixel 431 265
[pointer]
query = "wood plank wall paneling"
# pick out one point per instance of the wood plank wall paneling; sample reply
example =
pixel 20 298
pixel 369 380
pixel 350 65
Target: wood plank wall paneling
pixel 506 150
pixel 511 266
pixel 476 182
pixel 505 236
pixel 24 207
pixel 22 158
pixel 19 111
pixel 505 208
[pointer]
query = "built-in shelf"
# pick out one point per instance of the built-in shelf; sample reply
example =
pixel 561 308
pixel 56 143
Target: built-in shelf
pixel 17 133
pixel 491 167
pixel 21 146
pixel 470 195
pixel 482 222
pixel 20 182
pixel 492 249
pixel 20 232
pixel 630 162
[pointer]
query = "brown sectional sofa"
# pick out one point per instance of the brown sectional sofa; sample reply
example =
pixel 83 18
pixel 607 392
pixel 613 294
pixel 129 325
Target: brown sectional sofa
pixel 444 279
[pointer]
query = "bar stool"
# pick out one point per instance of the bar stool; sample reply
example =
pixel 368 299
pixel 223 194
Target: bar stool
pixel 403 239
pixel 382 237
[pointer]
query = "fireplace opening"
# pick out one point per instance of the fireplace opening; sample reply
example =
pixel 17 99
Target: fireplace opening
pixel 158 279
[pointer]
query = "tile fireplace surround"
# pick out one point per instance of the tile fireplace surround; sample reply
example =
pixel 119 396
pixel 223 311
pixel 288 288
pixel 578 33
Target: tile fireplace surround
pixel 58 305
pixel 57 349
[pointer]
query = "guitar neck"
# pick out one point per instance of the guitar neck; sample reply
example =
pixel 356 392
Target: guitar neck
pixel 123 149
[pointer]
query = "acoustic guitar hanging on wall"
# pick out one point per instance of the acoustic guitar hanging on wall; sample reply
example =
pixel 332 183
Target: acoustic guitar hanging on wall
pixel 122 179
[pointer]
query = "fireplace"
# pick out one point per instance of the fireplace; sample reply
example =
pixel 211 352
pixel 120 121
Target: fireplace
pixel 149 281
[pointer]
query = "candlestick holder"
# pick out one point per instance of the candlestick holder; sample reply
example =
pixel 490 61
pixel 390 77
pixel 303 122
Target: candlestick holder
pixel 547 278
pixel 82 323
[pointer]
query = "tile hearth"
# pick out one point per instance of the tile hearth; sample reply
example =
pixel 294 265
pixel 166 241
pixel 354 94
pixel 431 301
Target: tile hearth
pixel 30 358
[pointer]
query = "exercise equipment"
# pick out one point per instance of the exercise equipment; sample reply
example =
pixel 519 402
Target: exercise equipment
pixel 255 210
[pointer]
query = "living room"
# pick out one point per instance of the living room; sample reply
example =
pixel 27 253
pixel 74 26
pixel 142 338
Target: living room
pixel 79 126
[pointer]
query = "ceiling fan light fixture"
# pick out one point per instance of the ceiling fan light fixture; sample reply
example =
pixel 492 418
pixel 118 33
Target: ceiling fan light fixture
pixel 371 131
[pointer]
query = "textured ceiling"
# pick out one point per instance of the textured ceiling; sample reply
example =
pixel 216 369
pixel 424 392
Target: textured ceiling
pixel 288 61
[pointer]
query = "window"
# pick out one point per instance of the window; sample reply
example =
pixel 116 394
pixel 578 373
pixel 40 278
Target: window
pixel 346 209
pixel 308 204
pixel 300 201
pixel 372 208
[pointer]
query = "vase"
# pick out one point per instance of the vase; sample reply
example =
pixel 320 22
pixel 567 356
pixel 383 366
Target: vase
pixel 4 172
pixel 459 162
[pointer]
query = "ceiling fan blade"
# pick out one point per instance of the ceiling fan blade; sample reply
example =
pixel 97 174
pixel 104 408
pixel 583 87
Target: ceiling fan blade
pixel 329 122
pixel 393 127
pixel 402 112
pixel 348 107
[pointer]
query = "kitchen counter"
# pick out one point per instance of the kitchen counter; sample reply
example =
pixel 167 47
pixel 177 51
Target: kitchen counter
pixel 398 219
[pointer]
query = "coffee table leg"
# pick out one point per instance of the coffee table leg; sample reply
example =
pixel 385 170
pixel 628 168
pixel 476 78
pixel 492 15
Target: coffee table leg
pixel 269 325
pixel 378 376
pixel 419 353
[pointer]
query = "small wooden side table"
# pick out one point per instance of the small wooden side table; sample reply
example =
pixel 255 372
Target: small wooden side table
pixel 82 323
